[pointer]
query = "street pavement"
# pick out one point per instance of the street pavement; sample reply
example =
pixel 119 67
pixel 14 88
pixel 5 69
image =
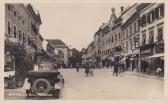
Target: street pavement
pixel 103 86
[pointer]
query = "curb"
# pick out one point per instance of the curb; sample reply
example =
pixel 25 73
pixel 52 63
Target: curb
pixel 145 76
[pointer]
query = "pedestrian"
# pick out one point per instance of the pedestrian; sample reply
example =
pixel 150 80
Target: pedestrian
pixel 91 73
pixel 158 71
pixel 87 70
pixel 115 72
pixel 55 67
pixel 77 67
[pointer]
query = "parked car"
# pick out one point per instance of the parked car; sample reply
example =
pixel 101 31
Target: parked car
pixel 45 82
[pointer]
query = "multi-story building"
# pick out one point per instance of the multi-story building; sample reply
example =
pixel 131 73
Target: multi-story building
pixel 19 47
pixel 98 47
pixel 130 39
pixel 60 49
pixel 152 37
pixel 107 39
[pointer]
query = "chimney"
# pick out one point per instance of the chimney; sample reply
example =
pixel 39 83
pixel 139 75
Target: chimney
pixel 122 8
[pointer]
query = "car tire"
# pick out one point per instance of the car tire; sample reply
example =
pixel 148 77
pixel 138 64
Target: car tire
pixel 34 87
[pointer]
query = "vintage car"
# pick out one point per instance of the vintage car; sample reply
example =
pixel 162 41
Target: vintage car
pixel 46 81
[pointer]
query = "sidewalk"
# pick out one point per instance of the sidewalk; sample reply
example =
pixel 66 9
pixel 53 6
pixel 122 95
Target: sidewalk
pixel 143 75
pixel 137 74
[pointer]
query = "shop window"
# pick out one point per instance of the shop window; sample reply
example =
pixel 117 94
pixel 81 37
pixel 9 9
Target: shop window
pixel 160 34
pixel 143 38
pixel 151 36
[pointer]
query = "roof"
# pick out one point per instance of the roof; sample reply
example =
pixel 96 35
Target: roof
pixel 55 42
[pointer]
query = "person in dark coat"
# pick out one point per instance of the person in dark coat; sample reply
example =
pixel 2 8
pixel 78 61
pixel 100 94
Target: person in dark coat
pixel 87 70
pixel 115 72
pixel 77 67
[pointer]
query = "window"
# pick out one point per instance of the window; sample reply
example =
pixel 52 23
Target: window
pixel 136 41
pixel 116 37
pixel 130 30
pixel 151 35
pixel 135 27
pixel 130 43
pixel 9 7
pixel 159 11
pixel 123 35
pixel 127 46
pixel 14 29
pixel 160 34
pixel 23 22
pixel 109 40
pixel 20 35
pixel 9 27
pixel 24 39
pixel 14 12
pixel 126 33
pixel 143 20
pixel 143 38
pixel 112 39
pixel 119 36
pixel 150 16
pixel 123 46
pixel 162 10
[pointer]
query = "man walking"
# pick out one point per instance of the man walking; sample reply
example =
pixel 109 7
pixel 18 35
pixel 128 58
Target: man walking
pixel 115 72
pixel 77 67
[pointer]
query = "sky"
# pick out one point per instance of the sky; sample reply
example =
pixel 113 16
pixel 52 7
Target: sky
pixel 74 23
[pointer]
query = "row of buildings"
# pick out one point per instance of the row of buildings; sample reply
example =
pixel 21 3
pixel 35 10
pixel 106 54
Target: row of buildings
pixel 135 37
pixel 24 45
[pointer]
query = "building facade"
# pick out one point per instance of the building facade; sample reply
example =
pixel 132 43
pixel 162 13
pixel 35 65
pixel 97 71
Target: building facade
pixel 135 38
pixel 19 47
pixel 60 49
pixel 152 38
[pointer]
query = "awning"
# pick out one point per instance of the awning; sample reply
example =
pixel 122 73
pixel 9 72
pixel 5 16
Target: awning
pixel 11 42
pixel 9 73
pixel 123 59
pixel 157 55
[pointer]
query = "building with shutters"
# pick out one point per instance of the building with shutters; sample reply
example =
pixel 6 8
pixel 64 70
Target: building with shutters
pixel 152 38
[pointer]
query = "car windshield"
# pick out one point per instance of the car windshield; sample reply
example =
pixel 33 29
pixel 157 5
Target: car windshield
pixel 46 67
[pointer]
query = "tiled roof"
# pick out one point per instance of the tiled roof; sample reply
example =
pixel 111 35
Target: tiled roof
pixel 55 42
